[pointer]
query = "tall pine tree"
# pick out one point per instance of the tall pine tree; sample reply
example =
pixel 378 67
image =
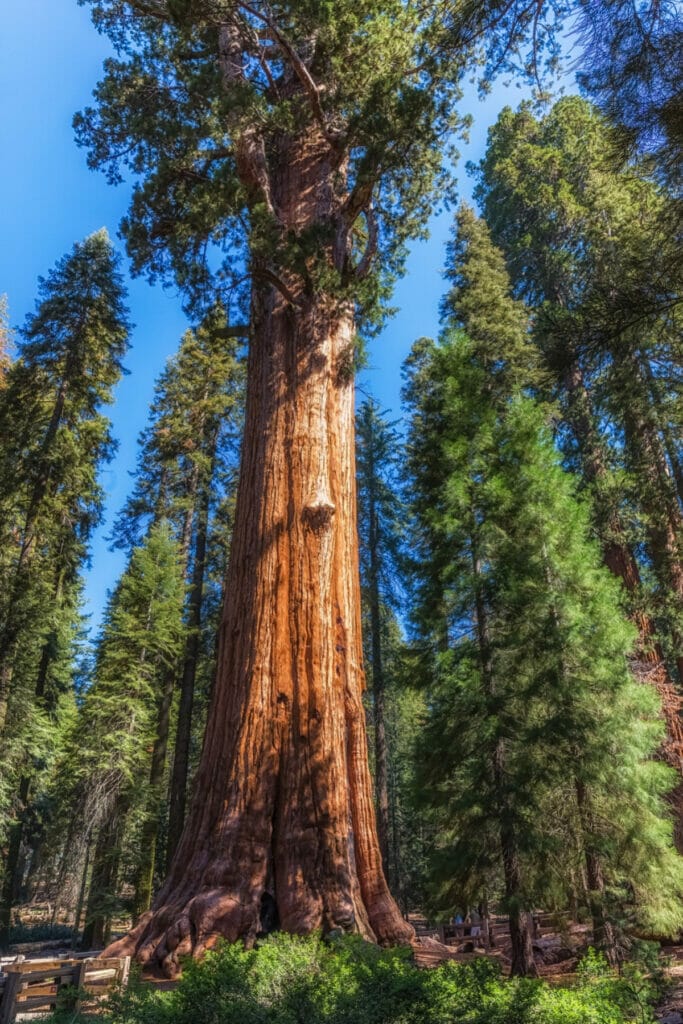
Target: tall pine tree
pixel 379 530
pixel 106 770
pixel 55 438
pixel 531 692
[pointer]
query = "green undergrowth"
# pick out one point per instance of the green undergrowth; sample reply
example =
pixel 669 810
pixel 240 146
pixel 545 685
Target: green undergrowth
pixel 290 980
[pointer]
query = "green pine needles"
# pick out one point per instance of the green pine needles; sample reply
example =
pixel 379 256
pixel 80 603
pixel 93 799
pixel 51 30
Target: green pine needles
pixel 538 742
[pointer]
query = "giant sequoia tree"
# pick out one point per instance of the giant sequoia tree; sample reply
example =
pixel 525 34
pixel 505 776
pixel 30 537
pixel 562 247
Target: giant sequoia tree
pixel 304 139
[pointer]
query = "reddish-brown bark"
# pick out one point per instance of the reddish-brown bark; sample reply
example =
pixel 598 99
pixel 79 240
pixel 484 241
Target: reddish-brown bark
pixel 282 824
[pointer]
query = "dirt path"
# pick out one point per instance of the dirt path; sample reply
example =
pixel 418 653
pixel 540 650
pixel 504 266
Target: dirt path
pixel 671 1009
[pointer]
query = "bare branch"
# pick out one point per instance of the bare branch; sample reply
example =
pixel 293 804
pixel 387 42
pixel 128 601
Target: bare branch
pixel 269 275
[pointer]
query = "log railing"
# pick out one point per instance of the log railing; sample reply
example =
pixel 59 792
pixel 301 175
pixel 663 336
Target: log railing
pixel 30 986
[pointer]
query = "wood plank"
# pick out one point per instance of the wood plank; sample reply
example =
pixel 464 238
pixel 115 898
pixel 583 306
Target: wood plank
pixel 38 965
pixel 79 984
pixel 101 975
pixel 125 972
pixel 12 987
pixel 32 976
pixel 39 990
pixel 33 1003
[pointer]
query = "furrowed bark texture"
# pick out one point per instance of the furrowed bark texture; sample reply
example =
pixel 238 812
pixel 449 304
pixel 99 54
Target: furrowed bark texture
pixel 282 827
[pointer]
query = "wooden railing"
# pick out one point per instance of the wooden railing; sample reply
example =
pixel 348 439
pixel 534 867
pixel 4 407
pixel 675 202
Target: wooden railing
pixel 29 986
pixel 495 927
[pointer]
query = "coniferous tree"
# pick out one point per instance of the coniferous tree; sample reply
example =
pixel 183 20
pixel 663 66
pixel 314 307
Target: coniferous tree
pixel 54 440
pixel 379 517
pixel 106 769
pixel 187 458
pixel 632 55
pixel 592 250
pixel 526 645
pixel 533 709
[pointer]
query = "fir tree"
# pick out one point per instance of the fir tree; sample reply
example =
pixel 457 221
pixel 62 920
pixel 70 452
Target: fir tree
pixel 591 248
pixel 533 709
pixel 379 530
pixel 54 440
pixel 107 768
pixel 527 648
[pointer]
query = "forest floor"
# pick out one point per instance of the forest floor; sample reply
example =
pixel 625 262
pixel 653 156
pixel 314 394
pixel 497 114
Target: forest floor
pixel 670 1010
pixel 557 954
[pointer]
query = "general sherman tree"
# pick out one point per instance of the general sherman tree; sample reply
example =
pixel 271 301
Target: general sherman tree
pixel 302 141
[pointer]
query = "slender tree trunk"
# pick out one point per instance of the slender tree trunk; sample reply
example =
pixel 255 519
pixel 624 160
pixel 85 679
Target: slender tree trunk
pixel 155 791
pixel 105 869
pixel 282 816
pixel 81 895
pixel 181 754
pixel 604 937
pixel 521 921
pixel 11 876
pixel 648 665
pixel 522 964
pixel 663 426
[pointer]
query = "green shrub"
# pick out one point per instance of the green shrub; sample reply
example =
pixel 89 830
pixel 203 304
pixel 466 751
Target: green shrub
pixel 290 980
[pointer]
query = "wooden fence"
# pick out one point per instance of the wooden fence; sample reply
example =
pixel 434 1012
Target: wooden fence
pixel 34 986
pixel 494 927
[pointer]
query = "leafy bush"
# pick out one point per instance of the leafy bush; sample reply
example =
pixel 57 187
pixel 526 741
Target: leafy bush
pixel 290 980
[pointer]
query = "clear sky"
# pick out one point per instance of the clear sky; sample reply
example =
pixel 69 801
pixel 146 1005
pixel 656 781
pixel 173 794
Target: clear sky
pixel 50 60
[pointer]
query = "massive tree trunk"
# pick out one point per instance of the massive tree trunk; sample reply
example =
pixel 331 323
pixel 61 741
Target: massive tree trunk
pixel 282 827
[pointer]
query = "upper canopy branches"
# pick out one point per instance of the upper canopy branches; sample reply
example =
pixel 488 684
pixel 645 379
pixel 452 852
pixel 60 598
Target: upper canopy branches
pixel 207 97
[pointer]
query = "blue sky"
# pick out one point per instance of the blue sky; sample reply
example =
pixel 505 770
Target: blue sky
pixel 50 60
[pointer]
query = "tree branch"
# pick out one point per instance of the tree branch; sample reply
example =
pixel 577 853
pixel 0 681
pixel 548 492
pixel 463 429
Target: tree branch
pixel 249 148
pixel 363 268
pixel 303 74
pixel 269 275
